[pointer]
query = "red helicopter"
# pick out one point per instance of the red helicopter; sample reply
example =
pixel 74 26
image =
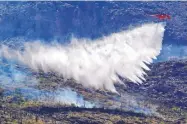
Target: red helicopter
pixel 161 16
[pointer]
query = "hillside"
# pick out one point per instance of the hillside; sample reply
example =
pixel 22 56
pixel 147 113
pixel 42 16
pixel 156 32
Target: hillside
pixel 161 98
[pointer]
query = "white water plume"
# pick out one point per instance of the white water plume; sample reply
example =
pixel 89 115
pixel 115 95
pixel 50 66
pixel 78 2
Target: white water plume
pixel 96 63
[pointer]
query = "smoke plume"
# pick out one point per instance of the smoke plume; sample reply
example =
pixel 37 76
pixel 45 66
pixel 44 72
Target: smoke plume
pixel 96 63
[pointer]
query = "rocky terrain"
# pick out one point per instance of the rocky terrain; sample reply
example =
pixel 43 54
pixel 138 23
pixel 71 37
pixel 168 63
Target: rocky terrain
pixel 74 115
pixel 166 83
pixel 164 87
pixel 160 99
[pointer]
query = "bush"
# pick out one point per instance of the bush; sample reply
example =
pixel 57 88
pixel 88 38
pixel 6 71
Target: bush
pixel 33 121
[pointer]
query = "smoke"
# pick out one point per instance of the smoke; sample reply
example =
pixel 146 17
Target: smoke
pixel 131 102
pixel 97 63
pixel 18 81
pixel 173 52
pixel 138 104
pixel 12 77
pixel 60 97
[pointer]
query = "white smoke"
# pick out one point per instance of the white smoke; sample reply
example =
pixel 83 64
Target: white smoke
pixel 96 63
